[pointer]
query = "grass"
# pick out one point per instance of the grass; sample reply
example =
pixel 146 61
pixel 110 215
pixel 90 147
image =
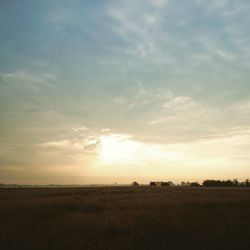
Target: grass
pixel 125 218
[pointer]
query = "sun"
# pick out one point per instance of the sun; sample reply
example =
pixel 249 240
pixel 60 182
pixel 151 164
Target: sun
pixel 117 149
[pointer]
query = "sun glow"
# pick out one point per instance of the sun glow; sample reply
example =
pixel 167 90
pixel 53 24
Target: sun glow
pixel 118 149
pixel 121 149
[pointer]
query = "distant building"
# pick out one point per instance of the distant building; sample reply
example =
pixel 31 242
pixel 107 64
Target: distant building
pixel 164 184
pixel 171 184
pixel 161 183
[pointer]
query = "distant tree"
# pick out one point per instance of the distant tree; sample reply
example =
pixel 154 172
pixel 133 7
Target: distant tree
pixel 194 184
pixel 186 184
pixel 135 184
pixel 247 183
pixel 236 183
pixel 212 183
pixel 219 183
pixel 227 183
pixel 152 184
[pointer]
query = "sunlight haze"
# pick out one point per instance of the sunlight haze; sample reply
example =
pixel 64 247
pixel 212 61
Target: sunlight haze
pixel 115 91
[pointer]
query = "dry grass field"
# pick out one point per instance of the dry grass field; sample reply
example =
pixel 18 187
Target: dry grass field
pixel 125 218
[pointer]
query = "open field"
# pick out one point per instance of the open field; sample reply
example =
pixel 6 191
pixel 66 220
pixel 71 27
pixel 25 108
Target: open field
pixel 125 218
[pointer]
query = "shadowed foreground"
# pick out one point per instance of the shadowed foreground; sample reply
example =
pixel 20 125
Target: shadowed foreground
pixel 125 218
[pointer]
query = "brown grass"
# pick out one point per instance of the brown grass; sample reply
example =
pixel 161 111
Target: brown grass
pixel 125 218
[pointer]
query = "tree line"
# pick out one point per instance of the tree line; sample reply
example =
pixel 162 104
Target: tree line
pixel 226 183
pixel 205 183
pixel 218 183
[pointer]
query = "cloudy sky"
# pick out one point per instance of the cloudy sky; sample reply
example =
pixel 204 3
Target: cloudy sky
pixel 105 91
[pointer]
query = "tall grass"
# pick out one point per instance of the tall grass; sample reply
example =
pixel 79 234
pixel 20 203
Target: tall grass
pixel 125 218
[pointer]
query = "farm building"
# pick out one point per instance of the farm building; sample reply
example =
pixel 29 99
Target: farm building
pixel 161 183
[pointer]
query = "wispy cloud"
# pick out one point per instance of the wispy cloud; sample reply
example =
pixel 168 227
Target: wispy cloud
pixel 170 79
pixel 137 30
pixel 28 77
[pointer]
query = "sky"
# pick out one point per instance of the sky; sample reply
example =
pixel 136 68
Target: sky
pixel 112 91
